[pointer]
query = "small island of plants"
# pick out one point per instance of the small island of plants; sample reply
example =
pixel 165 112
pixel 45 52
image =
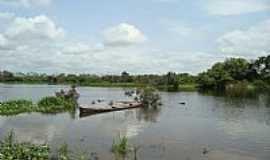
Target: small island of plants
pixel 50 104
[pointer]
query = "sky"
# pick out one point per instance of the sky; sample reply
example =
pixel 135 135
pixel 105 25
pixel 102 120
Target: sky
pixel 137 36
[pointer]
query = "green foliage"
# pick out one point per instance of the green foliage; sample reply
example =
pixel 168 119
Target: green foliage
pixel 223 73
pixel 120 146
pixel 55 104
pixel 45 105
pixel 11 150
pixel 16 106
pixel 51 101
pixel 232 70
pixel 148 96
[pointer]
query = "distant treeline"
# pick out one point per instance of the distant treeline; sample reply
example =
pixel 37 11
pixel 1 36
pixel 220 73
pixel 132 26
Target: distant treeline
pixel 221 75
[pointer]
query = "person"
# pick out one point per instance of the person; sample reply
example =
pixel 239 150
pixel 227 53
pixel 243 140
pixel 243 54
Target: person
pixel 72 93
pixel 60 94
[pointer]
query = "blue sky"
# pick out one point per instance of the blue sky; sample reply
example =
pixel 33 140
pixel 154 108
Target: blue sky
pixel 142 36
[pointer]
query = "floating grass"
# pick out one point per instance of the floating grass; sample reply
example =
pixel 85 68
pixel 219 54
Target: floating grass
pixel 45 105
pixel 13 107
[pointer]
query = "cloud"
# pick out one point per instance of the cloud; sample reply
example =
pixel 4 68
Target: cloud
pixel 34 28
pixel 123 35
pixel 82 48
pixel 38 44
pixel 252 42
pixel 27 3
pixel 236 7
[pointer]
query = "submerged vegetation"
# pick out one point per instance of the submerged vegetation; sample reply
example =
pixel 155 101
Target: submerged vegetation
pixel 12 150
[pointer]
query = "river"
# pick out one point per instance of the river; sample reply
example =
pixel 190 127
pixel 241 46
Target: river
pixel 227 127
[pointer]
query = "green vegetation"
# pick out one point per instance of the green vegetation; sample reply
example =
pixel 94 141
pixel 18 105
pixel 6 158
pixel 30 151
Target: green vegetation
pixel 120 147
pixel 148 96
pixel 45 105
pixel 236 73
pixel 12 150
pixel 55 104
pixel 218 77
pixel 15 107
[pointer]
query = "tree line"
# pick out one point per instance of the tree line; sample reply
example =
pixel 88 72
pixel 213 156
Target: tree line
pixel 219 76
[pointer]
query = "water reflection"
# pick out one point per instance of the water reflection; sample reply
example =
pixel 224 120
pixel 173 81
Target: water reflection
pixel 150 114
pixel 35 127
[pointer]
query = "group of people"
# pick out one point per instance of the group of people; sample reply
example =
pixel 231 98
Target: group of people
pixel 71 93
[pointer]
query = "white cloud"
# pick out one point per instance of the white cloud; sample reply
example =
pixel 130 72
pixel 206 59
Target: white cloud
pixel 252 43
pixel 39 27
pixel 37 44
pixel 3 41
pixel 27 3
pixel 236 7
pixel 123 35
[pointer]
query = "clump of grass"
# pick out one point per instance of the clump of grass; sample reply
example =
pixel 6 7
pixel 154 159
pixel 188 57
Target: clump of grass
pixel 120 147
pixel 10 149
pixel 13 107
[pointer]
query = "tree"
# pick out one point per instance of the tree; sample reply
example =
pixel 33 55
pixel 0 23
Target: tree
pixel 262 67
pixel 125 77
pixel 237 68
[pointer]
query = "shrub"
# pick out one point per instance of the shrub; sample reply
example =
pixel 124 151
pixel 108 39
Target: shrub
pixel 148 96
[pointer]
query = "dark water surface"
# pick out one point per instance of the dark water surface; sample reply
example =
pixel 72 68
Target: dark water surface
pixel 230 128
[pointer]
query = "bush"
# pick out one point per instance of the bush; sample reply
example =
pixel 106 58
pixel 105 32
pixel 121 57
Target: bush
pixel 148 96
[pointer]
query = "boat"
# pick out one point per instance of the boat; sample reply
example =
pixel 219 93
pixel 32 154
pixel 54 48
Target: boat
pixel 102 108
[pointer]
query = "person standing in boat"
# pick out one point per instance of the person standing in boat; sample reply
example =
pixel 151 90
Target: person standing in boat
pixel 72 93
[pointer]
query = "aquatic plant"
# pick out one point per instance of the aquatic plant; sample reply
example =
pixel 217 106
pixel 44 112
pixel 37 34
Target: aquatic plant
pixel 55 104
pixel 15 107
pixel 120 146
pixel 45 105
pixel 12 150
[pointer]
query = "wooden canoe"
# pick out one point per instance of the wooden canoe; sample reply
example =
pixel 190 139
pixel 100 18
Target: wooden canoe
pixel 117 106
